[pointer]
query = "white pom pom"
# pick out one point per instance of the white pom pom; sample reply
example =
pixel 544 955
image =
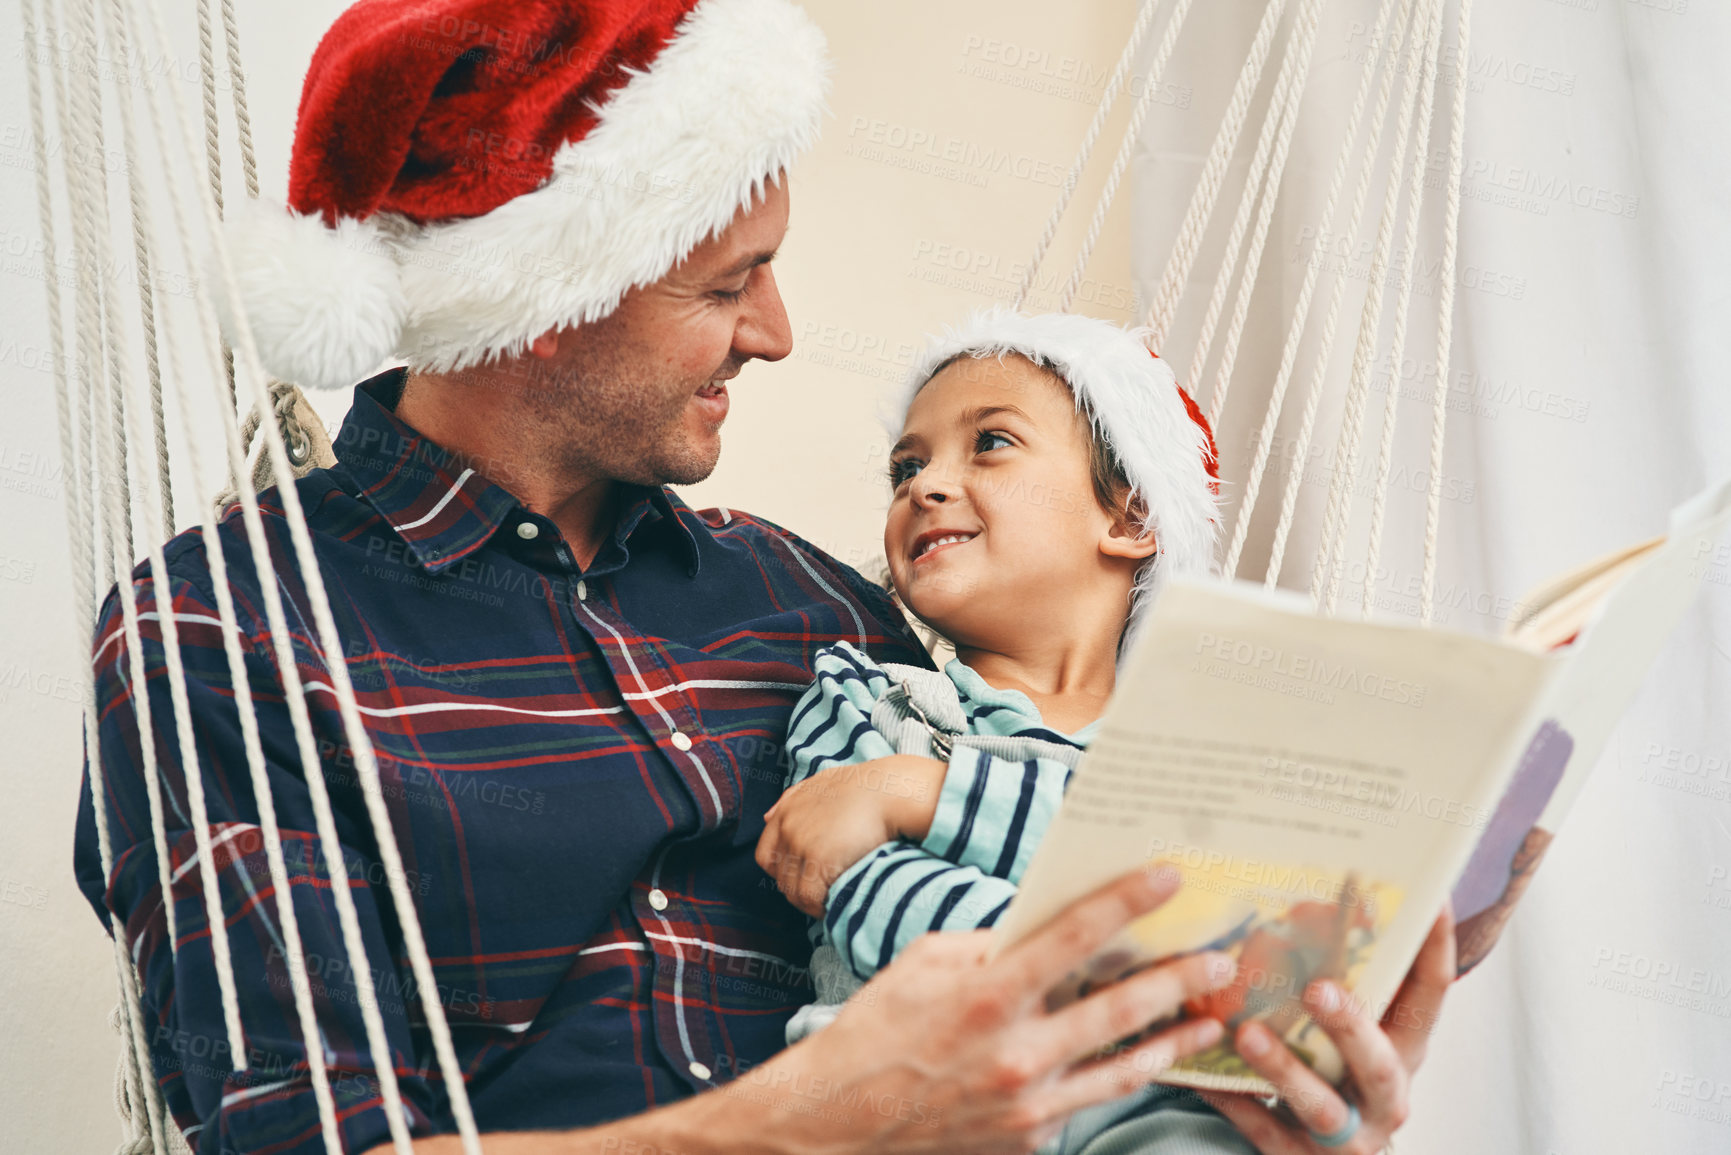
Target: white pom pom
pixel 326 305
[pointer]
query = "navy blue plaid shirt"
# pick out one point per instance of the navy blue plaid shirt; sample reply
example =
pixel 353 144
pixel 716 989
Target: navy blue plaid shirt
pixel 577 764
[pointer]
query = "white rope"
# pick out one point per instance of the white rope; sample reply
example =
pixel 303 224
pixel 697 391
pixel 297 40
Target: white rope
pixel 207 89
pixel 212 145
pixel 1241 219
pixel 1324 579
pixel 72 108
pixel 128 1075
pixel 88 190
pixel 237 85
pixel 1126 147
pixel 299 984
pixel 1207 191
pixel 1301 310
pixel 146 291
pixel 1445 313
pixel 1403 314
pixel 360 744
pixel 157 1122
pixel 294 952
pixel 156 533
pixel 1144 17
pixel 1298 57
pixel 1331 318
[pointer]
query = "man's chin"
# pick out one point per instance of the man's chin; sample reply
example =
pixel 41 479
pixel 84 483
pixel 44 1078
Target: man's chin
pixel 689 464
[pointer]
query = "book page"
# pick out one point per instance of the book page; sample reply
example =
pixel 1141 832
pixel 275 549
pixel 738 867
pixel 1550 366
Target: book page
pixel 1602 670
pixel 1319 783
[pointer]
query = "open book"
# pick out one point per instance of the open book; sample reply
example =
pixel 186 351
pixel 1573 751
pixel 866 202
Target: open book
pixel 1322 783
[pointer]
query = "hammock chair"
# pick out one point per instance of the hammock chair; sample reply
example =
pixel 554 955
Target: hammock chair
pixel 118 480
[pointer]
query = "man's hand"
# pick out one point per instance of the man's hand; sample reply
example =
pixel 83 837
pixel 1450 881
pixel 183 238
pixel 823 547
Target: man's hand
pixel 1380 1061
pixel 953 1052
pixel 942 1052
pixel 831 820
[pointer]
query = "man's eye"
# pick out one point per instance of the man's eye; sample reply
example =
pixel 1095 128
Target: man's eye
pixel 901 470
pixel 731 296
pixel 989 439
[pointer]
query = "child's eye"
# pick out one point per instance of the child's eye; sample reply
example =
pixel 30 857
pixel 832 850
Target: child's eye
pixel 902 469
pixel 984 439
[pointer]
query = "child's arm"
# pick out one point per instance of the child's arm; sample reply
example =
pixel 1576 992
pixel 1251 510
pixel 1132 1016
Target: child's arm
pixel 992 812
pixel 989 814
pixel 824 823
pixel 897 893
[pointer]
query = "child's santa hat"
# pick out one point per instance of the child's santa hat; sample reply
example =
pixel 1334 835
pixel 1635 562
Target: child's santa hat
pixel 469 174
pixel 1134 402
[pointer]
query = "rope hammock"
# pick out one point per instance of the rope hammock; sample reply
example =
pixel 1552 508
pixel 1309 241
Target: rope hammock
pixel 119 486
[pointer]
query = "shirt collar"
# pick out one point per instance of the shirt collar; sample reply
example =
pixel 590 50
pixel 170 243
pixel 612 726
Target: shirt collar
pixel 442 505
pixel 978 694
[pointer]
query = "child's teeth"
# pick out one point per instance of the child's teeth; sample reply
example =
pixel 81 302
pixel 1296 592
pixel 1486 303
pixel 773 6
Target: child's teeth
pixel 950 540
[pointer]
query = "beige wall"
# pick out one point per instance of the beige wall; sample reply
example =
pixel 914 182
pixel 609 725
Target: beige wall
pixel 881 224
pixel 879 229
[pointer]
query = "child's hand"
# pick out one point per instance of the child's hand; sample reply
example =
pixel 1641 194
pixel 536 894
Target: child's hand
pixel 837 816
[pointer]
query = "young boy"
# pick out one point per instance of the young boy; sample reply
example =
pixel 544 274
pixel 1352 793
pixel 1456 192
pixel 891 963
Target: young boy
pixel 1049 476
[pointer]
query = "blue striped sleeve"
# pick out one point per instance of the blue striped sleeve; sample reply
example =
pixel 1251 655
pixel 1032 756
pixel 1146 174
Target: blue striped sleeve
pixel 832 723
pixel 992 812
pixel 897 893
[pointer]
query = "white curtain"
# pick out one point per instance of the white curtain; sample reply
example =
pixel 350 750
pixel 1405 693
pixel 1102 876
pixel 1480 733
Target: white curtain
pixel 1587 397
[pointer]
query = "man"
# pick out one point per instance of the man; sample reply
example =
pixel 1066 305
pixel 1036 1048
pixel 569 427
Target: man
pixel 561 216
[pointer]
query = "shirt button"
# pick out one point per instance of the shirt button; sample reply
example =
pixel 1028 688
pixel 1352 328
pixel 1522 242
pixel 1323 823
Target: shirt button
pixel 699 1070
pixel 528 530
pixel 582 590
pixel 657 899
pixel 680 741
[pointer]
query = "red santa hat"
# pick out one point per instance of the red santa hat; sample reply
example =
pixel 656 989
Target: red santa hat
pixel 1134 402
pixel 469 174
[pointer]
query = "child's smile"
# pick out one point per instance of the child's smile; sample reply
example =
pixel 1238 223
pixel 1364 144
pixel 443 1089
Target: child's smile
pixel 935 541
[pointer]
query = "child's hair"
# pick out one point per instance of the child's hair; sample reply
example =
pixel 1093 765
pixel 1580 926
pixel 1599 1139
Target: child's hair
pixel 1151 453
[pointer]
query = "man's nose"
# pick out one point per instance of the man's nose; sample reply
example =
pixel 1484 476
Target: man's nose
pixel 763 331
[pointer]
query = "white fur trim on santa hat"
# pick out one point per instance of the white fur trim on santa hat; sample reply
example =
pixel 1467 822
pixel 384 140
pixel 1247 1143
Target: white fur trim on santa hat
pixel 726 106
pixel 326 305
pixel 1129 397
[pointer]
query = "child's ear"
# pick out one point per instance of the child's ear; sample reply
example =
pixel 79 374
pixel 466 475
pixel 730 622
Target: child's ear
pixel 1126 537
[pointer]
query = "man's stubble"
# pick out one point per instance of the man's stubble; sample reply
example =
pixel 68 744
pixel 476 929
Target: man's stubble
pixel 602 415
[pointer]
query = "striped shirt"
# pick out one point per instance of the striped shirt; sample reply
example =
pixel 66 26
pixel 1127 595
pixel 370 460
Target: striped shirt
pixel 576 762
pixel 992 811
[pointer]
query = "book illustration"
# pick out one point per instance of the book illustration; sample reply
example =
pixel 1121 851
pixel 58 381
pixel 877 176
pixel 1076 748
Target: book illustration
pixel 1503 862
pixel 1287 926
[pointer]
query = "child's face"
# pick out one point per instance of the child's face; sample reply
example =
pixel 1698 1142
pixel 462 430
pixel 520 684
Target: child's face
pixel 994 530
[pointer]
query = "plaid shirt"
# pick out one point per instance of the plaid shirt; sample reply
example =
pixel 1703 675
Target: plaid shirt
pixel 577 764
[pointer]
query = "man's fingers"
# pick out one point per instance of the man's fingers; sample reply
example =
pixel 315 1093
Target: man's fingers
pixel 1038 962
pixel 1413 1015
pixel 1317 1105
pixel 1127 1006
pixel 1378 1070
pixel 1128 1068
